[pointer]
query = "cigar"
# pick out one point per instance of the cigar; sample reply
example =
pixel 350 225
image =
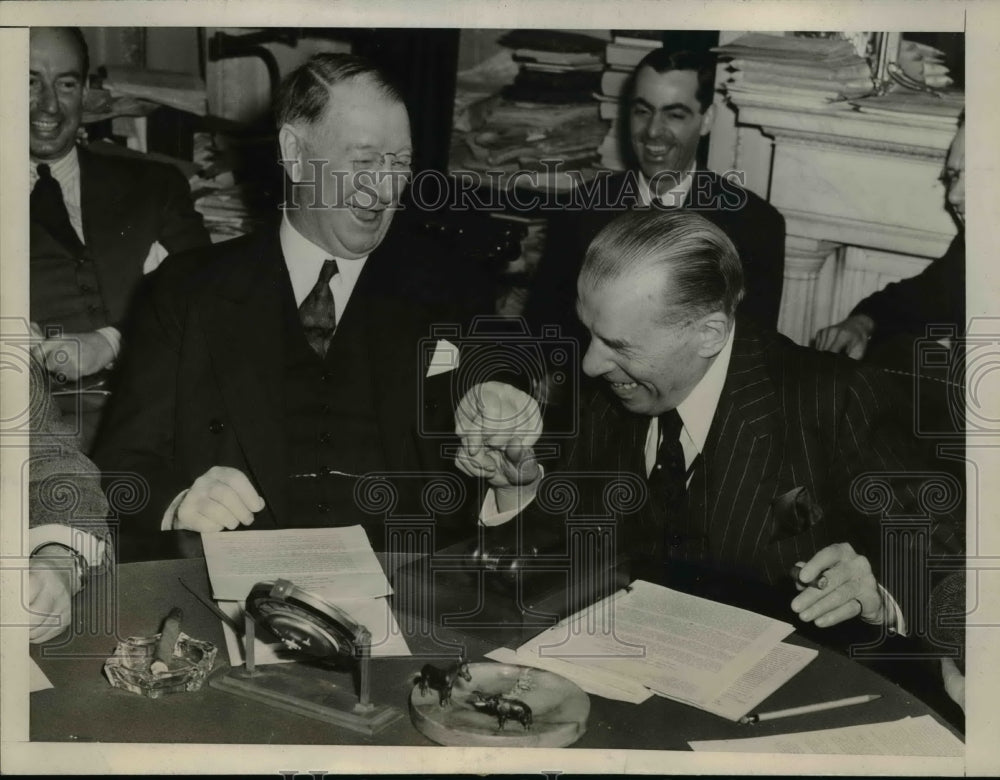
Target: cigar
pixel 168 638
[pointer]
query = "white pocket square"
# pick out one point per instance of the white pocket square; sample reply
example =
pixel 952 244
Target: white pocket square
pixel 444 359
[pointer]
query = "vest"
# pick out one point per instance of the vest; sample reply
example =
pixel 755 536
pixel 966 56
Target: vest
pixel 331 427
pixel 65 288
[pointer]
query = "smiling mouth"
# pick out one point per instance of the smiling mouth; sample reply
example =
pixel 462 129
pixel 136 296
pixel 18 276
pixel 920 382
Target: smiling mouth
pixel 45 126
pixel 367 216
pixel 624 387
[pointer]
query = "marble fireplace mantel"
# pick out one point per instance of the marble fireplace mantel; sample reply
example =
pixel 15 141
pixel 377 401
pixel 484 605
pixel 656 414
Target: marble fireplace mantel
pixel 860 194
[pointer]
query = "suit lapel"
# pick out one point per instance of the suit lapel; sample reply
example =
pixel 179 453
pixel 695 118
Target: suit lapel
pixel 742 455
pixel 390 327
pixel 243 326
pixel 103 198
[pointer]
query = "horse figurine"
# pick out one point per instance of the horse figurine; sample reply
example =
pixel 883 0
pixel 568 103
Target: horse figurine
pixel 504 708
pixel 442 680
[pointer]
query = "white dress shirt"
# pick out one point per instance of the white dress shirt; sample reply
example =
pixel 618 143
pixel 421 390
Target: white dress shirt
pixel 672 198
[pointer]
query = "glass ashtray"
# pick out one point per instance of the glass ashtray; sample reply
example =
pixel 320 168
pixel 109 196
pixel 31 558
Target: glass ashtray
pixel 129 669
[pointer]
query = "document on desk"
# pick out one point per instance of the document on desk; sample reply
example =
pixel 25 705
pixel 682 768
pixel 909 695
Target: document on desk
pixel 713 656
pixel 334 563
pixel 374 614
pixel 921 736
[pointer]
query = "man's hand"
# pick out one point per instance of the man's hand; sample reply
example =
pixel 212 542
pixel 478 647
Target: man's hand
pixel 220 499
pixel 849 336
pixel 837 584
pixel 954 682
pixel 498 425
pixel 76 355
pixel 52 582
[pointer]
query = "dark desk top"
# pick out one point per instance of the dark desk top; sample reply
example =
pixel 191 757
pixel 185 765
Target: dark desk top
pixel 83 707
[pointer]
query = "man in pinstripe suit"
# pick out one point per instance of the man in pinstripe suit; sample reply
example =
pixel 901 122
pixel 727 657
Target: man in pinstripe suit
pixel 772 446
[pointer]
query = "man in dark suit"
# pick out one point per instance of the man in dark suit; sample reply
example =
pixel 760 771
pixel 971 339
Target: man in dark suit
pixel 267 374
pixel 722 455
pixel 98 222
pixel 936 296
pixel 669 110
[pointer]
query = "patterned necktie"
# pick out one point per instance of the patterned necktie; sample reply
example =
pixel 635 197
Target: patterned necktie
pixel 48 209
pixel 318 312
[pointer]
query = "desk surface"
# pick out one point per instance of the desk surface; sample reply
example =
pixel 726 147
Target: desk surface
pixel 83 707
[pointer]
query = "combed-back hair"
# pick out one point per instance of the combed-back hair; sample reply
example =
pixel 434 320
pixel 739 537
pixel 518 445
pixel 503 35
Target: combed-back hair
pixel 701 268
pixel 304 93
pixel 77 35
pixel 664 61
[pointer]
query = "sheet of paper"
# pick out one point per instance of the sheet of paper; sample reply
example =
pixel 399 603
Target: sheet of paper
pixel 625 690
pixel 374 614
pixel 37 681
pixel 921 736
pixel 782 663
pixel 333 563
pixel 688 648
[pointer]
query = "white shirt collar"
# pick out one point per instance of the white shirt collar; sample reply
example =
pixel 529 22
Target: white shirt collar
pixel 64 170
pixel 698 409
pixel 304 260
pixel 672 198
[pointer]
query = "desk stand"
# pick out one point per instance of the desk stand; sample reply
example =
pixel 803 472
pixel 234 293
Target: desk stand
pixel 307 690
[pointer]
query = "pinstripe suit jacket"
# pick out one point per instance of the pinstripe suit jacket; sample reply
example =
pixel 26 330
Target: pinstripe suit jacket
pixel 783 474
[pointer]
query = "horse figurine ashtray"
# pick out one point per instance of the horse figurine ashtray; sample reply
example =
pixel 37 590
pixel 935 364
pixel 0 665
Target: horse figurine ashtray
pixel 475 704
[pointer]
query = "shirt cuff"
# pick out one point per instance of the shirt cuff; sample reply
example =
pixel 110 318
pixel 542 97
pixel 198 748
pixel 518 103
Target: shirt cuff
pixel 893 618
pixel 490 514
pixel 167 523
pixel 91 547
pixel 114 338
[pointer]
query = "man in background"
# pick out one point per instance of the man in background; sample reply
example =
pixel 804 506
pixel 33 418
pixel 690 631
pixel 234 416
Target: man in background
pixel 98 221
pixel 669 109
pixel 903 310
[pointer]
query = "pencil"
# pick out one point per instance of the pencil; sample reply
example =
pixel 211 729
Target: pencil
pixel 807 708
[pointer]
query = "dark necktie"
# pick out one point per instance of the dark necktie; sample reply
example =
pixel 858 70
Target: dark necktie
pixel 48 209
pixel 669 471
pixel 318 312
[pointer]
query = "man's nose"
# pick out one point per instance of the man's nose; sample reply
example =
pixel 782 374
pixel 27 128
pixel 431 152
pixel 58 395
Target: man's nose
pixel 956 190
pixel 389 185
pixel 46 100
pixel 657 127
pixel 595 360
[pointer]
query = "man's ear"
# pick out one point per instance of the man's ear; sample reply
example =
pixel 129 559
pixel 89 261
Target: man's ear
pixel 714 330
pixel 291 152
pixel 707 120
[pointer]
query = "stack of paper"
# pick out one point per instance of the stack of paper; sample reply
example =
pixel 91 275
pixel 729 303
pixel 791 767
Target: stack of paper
pixel 336 564
pixel 921 736
pixel 794 71
pixel 650 638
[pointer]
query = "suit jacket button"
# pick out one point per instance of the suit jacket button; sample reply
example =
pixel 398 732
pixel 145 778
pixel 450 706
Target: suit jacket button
pixel 216 426
pixel 326 437
pixel 322 508
pixel 675 540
